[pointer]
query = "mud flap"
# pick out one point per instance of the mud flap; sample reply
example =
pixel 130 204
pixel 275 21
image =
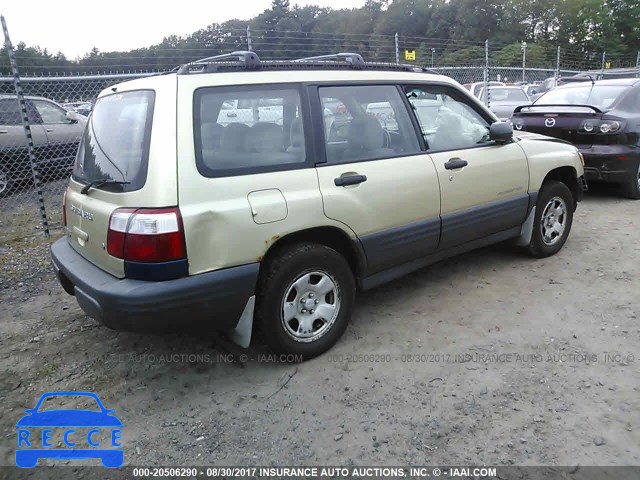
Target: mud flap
pixel 527 230
pixel 241 335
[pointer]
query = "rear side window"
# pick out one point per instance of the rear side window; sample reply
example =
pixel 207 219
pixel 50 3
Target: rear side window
pixel 115 144
pixel 248 129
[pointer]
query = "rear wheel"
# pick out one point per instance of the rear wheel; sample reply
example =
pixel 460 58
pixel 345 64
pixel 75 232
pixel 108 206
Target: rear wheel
pixel 305 298
pixel 631 189
pixel 553 219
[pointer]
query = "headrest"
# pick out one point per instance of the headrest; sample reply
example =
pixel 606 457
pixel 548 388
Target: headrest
pixel 234 137
pixel 297 133
pixel 264 137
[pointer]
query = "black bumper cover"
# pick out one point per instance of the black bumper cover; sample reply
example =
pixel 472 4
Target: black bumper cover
pixel 212 300
pixel 603 163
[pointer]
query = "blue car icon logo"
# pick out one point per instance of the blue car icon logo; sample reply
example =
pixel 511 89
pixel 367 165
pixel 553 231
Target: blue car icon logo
pixel 66 421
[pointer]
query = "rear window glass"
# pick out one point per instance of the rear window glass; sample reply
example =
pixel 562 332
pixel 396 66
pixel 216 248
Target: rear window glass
pixel 603 96
pixel 115 144
pixel 248 129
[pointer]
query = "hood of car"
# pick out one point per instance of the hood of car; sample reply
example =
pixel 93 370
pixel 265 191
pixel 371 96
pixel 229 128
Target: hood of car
pixel 69 418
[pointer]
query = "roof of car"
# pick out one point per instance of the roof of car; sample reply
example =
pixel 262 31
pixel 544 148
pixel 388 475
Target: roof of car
pixel 275 76
pixel 623 82
pixel 27 97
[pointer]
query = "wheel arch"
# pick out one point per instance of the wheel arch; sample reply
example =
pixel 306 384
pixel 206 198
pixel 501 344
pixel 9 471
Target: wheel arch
pixel 332 237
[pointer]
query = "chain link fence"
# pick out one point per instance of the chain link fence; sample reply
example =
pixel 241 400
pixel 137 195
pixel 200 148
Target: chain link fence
pixel 39 135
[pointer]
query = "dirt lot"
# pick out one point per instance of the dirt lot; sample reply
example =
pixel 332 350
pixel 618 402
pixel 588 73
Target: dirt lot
pixel 488 358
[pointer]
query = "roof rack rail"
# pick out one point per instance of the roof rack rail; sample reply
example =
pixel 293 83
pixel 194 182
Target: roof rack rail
pixel 355 60
pixel 249 60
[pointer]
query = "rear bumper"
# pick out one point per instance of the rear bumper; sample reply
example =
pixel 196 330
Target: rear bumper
pixel 212 300
pixel 610 163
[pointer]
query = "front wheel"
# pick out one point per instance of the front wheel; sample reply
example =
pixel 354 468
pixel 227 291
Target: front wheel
pixel 553 219
pixel 631 188
pixel 305 297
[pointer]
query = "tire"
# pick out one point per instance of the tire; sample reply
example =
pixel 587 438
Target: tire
pixel 305 297
pixel 553 219
pixel 631 189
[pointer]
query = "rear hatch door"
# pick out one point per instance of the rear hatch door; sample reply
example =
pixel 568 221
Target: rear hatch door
pixel 117 166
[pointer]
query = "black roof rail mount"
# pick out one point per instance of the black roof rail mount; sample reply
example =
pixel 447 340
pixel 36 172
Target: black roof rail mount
pixel 249 60
pixel 355 60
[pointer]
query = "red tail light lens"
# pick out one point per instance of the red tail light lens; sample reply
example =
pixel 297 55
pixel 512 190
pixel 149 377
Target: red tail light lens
pixel 146 235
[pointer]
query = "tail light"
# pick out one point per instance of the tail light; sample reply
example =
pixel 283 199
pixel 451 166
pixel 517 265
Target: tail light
pixel 64 208
pixel 146 235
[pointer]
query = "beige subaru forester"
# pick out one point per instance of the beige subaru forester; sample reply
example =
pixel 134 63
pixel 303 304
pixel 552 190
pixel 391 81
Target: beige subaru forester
pixel 236 193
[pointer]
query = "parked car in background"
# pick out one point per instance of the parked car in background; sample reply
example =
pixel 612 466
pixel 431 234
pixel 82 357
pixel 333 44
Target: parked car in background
pixel 476 87
pixel 56 134
pixel 531 89
pixel 83 108
pixel 504 100
pixel 601 118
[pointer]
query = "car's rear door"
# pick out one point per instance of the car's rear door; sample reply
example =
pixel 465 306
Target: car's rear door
pixel 484 185
pixel 376 180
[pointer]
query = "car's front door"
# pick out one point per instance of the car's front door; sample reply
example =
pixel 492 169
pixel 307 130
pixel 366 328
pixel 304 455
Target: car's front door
pixel 15 166
pixel 484 184
pixel 375 179
pixel 63 134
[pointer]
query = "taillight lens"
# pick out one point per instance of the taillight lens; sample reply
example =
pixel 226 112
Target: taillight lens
pixel 64 208
pixel 146 235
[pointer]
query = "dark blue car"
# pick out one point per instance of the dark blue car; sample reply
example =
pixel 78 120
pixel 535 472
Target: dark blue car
pixel 69 418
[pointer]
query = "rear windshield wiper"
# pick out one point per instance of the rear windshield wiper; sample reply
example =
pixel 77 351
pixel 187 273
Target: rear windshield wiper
pixel 100 182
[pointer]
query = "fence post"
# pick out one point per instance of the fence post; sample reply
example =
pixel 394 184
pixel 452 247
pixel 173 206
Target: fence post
pixel 487 96
pixel 524 58
pixel 248 38
pixel 604 57
pixel 558 65
pixel 25 123
pixel 397 49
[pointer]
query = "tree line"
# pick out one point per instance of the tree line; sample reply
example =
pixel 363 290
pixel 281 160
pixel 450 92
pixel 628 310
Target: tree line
pixel 441 32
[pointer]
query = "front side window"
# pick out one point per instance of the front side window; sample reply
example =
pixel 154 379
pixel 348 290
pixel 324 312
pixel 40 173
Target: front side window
pixel 115 144
pixel 249 129
pixel 51 113
pixel 447 121
pixel 366 123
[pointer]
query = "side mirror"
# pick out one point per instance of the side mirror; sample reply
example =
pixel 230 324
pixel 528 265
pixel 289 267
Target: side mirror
pixel 500 132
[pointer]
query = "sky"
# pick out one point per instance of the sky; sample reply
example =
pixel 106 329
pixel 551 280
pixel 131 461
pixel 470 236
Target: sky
pixel 74 27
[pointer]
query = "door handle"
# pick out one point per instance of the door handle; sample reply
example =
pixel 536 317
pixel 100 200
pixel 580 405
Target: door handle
pixel 349 180
pixel 4 131
pixel 455 163
pixel 49 130
pixel 232 115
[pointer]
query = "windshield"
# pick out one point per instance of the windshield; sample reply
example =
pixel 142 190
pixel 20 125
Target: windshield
pixel 602 96
pixel 507 95
pixel 115 144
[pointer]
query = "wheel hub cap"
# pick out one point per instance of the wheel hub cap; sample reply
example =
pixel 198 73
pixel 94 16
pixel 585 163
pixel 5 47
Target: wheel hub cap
pixel 553 223
pixel 310 306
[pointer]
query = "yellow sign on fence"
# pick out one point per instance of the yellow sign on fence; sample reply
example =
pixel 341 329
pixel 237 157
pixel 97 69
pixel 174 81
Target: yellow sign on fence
pixel 409 54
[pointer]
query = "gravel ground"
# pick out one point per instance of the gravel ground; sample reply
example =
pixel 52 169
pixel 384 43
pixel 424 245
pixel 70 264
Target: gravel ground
pixel 489 358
